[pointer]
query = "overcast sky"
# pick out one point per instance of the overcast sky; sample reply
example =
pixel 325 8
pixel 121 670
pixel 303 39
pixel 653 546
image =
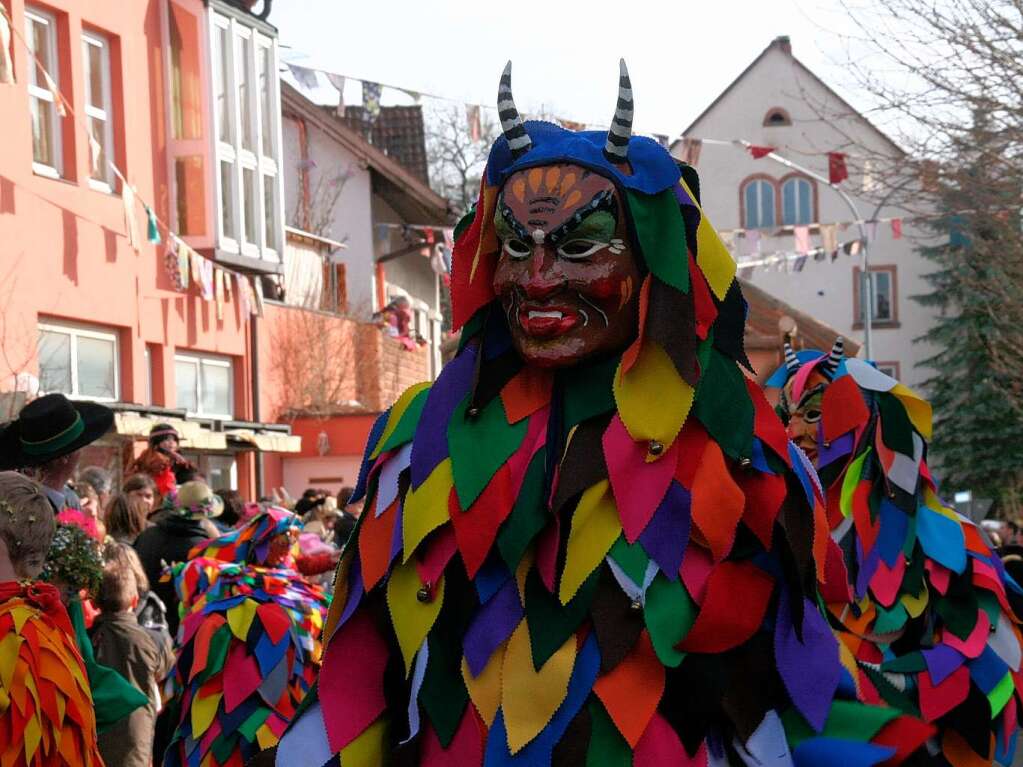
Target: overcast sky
pixel 565 52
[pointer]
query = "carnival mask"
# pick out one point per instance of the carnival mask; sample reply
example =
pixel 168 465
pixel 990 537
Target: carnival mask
pixel 802 408
pixel 566 276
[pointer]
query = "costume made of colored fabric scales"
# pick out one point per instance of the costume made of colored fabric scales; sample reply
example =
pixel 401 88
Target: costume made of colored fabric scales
pixel 250 645
pixel 46 708
pixel 608 564
pixel 927 611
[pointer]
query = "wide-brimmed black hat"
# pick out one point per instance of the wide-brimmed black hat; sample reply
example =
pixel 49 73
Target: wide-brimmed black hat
pixel 50 427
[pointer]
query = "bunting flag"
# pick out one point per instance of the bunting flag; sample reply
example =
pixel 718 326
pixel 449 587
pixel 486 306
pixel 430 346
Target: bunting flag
pixel 371 99
pixel 574 566
pixel 871 231
pixel 837 171
pixel 131 224
pixel 95 152
pixel 472 118
pixel 257 284
pixel 927 614
pixel 338 81
pixel 760 151
pixel 177 267
pixel 896 224
pixel 152 230
pixel 751 242
pixel 58 97
pixel 205 276
pixel 829 238
pixel 6 65
pixel 306 77
pixel 218 292
pixel 245 297
pixel 801 238
pixel 250 644
pixel 47 714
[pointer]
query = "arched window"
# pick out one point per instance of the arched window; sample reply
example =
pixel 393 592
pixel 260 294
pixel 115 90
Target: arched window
pixel 758 204
pixel 797 201
pixel 775 117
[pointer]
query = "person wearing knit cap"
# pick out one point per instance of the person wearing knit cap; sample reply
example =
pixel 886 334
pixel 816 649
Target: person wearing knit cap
pixel 162 461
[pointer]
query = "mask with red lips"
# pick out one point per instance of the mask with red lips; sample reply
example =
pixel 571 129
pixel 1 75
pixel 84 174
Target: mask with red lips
pixel 566 276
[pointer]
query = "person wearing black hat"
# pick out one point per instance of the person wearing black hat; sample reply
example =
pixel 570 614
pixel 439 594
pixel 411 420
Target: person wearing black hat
pixel 47 437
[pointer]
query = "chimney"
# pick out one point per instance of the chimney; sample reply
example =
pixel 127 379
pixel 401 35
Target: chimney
pixel 784 44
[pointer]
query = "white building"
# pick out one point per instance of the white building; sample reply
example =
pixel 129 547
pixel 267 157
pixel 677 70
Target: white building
pixel 370 211
pixel 777 102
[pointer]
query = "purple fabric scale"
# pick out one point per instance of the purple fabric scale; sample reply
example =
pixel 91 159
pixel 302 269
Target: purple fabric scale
pixel 667 534
pixel 868 566
pixel 810 668
pixel 829 452
pixel 493 624
pixel 941 661
pixel 430 445
pixel 356 590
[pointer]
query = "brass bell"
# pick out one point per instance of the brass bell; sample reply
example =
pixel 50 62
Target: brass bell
pixel 745 463
pixel 655 447
pixel 473 412
pixel 423 595
pixel 636 605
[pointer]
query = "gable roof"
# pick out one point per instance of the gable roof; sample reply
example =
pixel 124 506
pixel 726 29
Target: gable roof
pixel 762 323
pixel 784 45
pixel 409 195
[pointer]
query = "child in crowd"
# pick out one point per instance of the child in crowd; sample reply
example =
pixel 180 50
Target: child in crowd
pixel 141 656
pixel 46 691
pixel 126 517
pixel 141 487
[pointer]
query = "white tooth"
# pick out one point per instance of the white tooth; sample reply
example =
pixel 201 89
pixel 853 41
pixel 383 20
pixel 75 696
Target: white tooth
pixel 546 315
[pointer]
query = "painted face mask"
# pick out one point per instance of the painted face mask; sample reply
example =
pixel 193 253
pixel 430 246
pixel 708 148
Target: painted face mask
pixel 802 398
pixel 566 276
pixel 592 503
pixel 907 577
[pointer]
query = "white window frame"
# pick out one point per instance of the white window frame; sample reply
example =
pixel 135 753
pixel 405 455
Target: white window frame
pixel 797 182
pixel 874 293
pixel 262 158
pixel 105 113
pixel 755 183
pixel 205 359
pixel 84 331
pixel 34 15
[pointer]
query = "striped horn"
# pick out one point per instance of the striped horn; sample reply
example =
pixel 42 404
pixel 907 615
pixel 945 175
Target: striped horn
pixel 617 147
pixel 514 131
pixel 791 360
pixel 831 363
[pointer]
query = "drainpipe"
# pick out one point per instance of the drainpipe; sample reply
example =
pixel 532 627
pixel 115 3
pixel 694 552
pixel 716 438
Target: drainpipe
pixel 256 415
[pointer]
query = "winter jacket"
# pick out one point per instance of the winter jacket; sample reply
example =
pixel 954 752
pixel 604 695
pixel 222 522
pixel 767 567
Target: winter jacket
pixel 168 541
pixel 121 643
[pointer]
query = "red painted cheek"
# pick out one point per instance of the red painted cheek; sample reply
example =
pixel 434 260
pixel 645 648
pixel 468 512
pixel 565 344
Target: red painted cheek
pixel 606 287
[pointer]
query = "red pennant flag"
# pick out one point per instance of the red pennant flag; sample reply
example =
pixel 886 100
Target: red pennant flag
pixel 896 228
pixel 760 151
pixel 837 172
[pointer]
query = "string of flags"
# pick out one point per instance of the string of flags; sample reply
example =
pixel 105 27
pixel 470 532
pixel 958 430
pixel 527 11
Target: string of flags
pixel 183 265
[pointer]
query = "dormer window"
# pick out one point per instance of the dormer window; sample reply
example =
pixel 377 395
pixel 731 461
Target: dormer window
pixel 776 117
